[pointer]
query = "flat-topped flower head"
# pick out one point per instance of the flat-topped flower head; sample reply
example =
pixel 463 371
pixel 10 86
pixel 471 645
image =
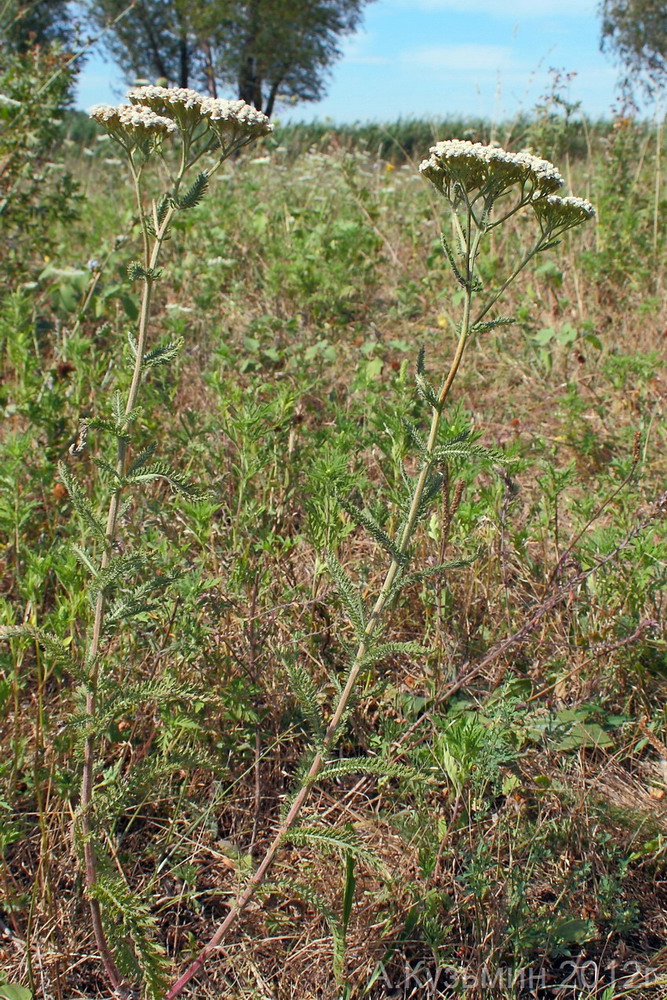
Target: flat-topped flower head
pixel 234 123
pixel 458 165
pixel 132 124
pixel 180 103
pixel 557 214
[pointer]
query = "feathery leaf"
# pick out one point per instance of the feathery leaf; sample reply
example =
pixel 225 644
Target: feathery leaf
pixel 49 642
pixel 307 695
pixel 364 518
pixel 80 502
pixel 195 193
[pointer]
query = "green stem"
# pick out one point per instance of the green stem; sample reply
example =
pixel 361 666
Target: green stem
pixel 393 573
pixel 93 658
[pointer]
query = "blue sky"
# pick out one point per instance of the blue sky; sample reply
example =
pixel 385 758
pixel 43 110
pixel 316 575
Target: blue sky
pixel 445 57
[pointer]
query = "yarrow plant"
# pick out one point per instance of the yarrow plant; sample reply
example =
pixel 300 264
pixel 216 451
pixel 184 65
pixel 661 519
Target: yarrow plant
pixel 484 186
pixel 199 127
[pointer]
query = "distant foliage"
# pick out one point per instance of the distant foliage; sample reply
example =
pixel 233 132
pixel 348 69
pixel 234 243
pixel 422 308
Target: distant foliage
pixel 262 51
pixel 636 32
pixel 35 192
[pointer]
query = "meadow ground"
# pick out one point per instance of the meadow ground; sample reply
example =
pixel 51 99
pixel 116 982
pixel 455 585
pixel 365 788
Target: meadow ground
pixel 520 846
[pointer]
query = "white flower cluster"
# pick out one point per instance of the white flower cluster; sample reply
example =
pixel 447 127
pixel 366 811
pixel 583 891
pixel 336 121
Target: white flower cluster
pixel 234 122
pixel 178 103
pixel 558 214
pixel 132 123
pixel 473 165
pixel 572 204
pixel 164 97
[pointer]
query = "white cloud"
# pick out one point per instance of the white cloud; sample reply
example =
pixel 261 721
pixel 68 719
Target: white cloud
pixel 464 58
pixel 513 11
pixel 356 48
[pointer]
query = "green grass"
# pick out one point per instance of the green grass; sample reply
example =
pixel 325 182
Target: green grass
pixel 304 286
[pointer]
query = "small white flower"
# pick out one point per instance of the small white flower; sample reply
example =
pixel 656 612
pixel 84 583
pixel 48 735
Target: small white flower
pixel 472 165
pixel 179 103
pixel 235 123
pixel 131 124
pixel 558 214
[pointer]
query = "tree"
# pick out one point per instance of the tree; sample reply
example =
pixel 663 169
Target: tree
pixel 157 38
pixel 636 32
pixel 24 23
pixel 259 49
pixel 272 48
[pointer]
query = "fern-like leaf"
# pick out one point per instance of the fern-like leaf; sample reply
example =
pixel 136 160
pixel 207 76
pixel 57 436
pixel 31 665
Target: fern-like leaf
pixel 333 840
pixel 49 642
pixel 492 324
pixel 452 262
pixel 160 470
pixel 424 387
pixel 429 572
pixel 195 193
pixel 306 694
pixel 162 355
pixel 161 209
pixel 125 916
pixel 393 648
pixel 137 601
pixel 308 894
pixel 465 449
pixel 117 571
pixel 80 502
pixel 142 458
pixel 364 519
pixel 415 436
pixel 365 765
pixel 347 593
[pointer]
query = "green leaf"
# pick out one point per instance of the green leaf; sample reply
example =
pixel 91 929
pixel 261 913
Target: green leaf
pixel 333 840
pixel 320 906
pixel 460 447
pixel 81 503
pixel 493 324
pixel 306 694
pixel 136 270
pixel 142 458
pixel 162 355
pixel 347 593
pixel 424 387
pixel 160 470
pixel 194 194
pixel 162 208
pixel 452 262
pixel 49 642
pixel 117 570
pixel 136 601
pixel 431 571
pixel 414 434
pixel 585 734
pixel 364 519
pixel 348 893
pixel 573 930
pixel 125 912
pixel 389 648
pixel 365 765
pixel 10 991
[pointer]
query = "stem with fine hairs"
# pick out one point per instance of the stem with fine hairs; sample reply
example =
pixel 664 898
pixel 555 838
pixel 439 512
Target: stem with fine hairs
pixel 393 572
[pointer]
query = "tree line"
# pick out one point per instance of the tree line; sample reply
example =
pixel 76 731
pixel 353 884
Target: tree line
pixel 265 51
pixel 261 51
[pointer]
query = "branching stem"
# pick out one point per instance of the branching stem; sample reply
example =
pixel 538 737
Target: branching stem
pixel 394 571
pixel 93 653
